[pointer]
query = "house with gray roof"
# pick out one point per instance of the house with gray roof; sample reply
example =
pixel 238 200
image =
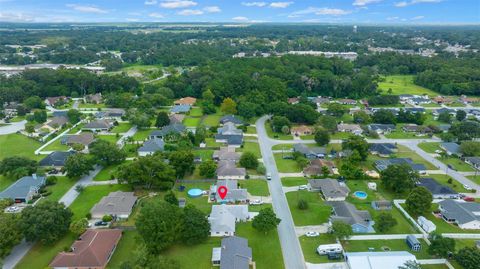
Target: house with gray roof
pixel 230 135
pixel 180 109
pixel 101 125
pixel 437 190
pixel 226 154
pixel 450 148
pixel 383 164
pixel 350 128
pixel 117 204
pixel 465 214
pixel 234 253
pixel 171 129
pixel 360 220
pixel 473 161
pixel 382 149
pixel 331 189
pixel 381 128
pixel 56 159
pixel 231 118
pixel 84 139
pixel 310 152
pixel 111 114
pixel 24 189
pixel 229 170
pixel 223 219
pixel 151 146
pixel 234 194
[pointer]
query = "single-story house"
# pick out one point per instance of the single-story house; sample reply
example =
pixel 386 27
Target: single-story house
pixel 234 253
pixel 99 126
pixel 94 98
pixel 413 243
pixel 171 129
pixel 464 214
pixel 378 259
pixel 382 205
pixel 53 101
pixel 419 101
pixel 383 164
pixel 468 100
pixel 83 138
pixel 382 149
pixel 319 100
pixel 234 194
pixel 410 128
pixel 316 165
pixel 414 110
pixel 347 101
pixel 24 189
pixel 451 148
pixel 230 135
pixel 405 97
pixel 442 100
pixel 293 100
pixel 301 130
pixel 55 123
pixel 151 146
pixel 439 111
pixel 381 128
pixel 176 118
pixel 310 152
pixel 331 189
pixel 180 109
pixel 56 159
pixel 473 161
pixel 229 170
pixel 223 219
pixel 350 128
pixel 117 204
pixel 111 114
pixel 186 101
pixel 360 220
pixel 92 250
pixel 444 127
pixel 226 154
pixel 427 225
pixel 231 118
pixel 437 190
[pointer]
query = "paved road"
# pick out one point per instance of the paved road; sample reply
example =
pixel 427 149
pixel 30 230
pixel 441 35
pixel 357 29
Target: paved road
pixel 131 132
pixel 292 252
pixel 12 127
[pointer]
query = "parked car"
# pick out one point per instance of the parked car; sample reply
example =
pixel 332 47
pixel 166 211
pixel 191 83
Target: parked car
pixel 468 199
pixel 451 167
pixel 269 176
pixel 288 157
pixel 302 187
pixel 468 188
pixel 256 202
pixel 312 234
pixel 12 209
pixel 101 223
pixel 334 256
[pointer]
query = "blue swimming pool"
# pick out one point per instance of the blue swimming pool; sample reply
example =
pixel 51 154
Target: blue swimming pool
pixel 195 193
pixel 360 194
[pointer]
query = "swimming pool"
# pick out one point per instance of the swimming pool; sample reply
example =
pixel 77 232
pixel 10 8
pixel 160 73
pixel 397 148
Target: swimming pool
pixel 360 194
pixel 195 193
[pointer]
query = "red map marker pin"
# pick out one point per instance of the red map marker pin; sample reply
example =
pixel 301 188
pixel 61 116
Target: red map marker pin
pixel 222 192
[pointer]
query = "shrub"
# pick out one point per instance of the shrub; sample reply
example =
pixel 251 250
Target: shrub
pixel 88 215
pixel 107 218
pixel 302 204
pixel 51 180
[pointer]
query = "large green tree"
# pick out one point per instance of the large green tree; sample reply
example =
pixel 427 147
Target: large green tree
pixel 17 166
pixel 419 201
pixel 384 222
pixel 182 162
pixel 248 160
pixel 266 220
pixel 74 116
pixel 77 165
pixel 441 246
pixel 470 148
pixel 106 153
pixel 399 177
pixel 322 137
pixel 196 227
pixel 10 233
pixel 162 119
pixel 468 257
pixel 208 168
pixel 357 143
pixel 341 230
pixel 149 171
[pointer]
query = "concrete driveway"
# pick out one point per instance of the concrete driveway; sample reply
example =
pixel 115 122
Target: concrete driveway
pixel 323 229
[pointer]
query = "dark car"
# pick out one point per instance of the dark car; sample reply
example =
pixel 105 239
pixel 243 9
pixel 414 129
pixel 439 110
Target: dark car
pixel 334 256
pixel 101 223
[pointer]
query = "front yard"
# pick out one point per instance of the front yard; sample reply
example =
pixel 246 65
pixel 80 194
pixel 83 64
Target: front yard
pixel 294 181
pixel 317 213
pixel 256 187
pixel 286 165
pixel 122 127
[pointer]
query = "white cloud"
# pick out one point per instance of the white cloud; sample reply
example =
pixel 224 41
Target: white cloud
pixel 280 4
pixel 254 4
pixel 16 17
pixel 365 2
pixel 401 4
pixel 156 15
pixel 151 2
pixel 177 3
pixel 132 20
pixel 414 2
pixel 418 18
pixel 240 19
pixel 87 8
pixel 320 11
pixel 190 12
pixel 212 9
pixel 392 18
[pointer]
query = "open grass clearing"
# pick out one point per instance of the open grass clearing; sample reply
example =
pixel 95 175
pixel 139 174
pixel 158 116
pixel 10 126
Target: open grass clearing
pixel 429 147
pixel 294 181
pixel 276 135
pixel 317 213
pixel 457 164
pixel 379 245
pixel 142 134
pixel 212 143
pixel 196 112
pixel 404 152
pixel 60 188
pixel 443 179
pixel 6 181
pixel 256 187
pixel 122 127
pixel 18 145
pixel 191 122
pixel 110 138
pixel 56 146
pixel 252 147
pixel 403 84
pixel 286 165
pixel 106 173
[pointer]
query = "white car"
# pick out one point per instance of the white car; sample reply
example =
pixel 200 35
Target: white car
pixel 12 209
pixel 256 202
pixel 302 187
pixel 468 188
pixel 269 176
pixel 312 234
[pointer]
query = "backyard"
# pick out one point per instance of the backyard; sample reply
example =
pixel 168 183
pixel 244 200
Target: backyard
pixel 122 127
pixel 18 145
pixel 385 245
pixel 294 181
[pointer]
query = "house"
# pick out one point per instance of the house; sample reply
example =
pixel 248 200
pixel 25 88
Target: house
pixel 54 101
pixel 94 98
pixel 114 114
pixel 383 164
pixel 310 152
pixel 439 111
pixel 442 100
pixel 405 97
pixel 347 101
pixel 464 214
pixel 223 219
pixel 10 109
pixel 226 154
pixel 171 129
pixel 413 243
pixel 229 170
pixel 92 250
pixel 350 128
pixel 99 126
pixel 315 168
pixel 414 110
pixel 176 118
pixel 234 194
pixel 84 139
pixel 24 189
pixel 381 128
pixel 230 135
pixel 360 220
pixel 427 225
pixel 473 161
pixel 382 205
pixel 231 118
pixel 190 101
pixel 410 128
pixel 151 146
pixel 378 259
pixel 117 204
pixel 319 100
pixel 444 127
pixel 419 100
pixel 331 189
pixel 180 109
pixel 468 100
pixel 55 123
pixel 301 130
pixel 56 159
pixel 293 100
pixel 234 253
pixel 382 149
pixel 450 148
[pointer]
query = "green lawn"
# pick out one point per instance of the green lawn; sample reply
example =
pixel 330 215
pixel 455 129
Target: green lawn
pixel 256 187
pixel 196 112
pixel 5 182
pixel 310 245
pixel 131 150
pixel 251 129
pixel 18 145
pixel 56 146
pixel 286 165
pixel 191 122
pixel 211 142
pixel 125 247
pixel 475 179
pixel 142 134
pixel 122 127
pixel 294 181
pixel 205 154
pixel 430 147
pixel 211 120
pixel 393 245
pixel 106 173
pixel 17 119
pixel 200 202
pixel 251 147
pixel 282 147
pixel 90 105
pixel 457 164
pixel 404 152
pixel 435 266
pixel 403 84
pixel 110 138
pixel 275 135
pixel 76 129
pixel 399 134
pixel 317 213
pixel 340 135
pixel 60 188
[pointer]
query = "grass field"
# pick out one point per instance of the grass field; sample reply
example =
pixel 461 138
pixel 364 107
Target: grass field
pixel 106 173
pixel 211 120
pixel 475 179
pixel 317 213
pixel 122 127
pixel 60 188
pixel 429 147
pixel 89 105
pixel 457 164
pixel 256 187
pixel 124 249
pixel 191 122
pixel 293 181
pixel 211 142
pixel 142 134
pixel 5 182
pixel 110 138
pixel 286 165
pixel 251 129
pixel 403 84
pixel 251 147
pixel 18 145
pixel 279 136
pixel 404 152
pixel 310 244
pixel 56 146
pixel 443 179
pixel 196 112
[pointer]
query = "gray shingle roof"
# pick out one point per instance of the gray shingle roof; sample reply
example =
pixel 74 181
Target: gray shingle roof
pixel 234 193
pixel 451 147
pixel 228 168
pixel 180 109
pixel 302 148
pixel 229 128
pixel 223 217
pixel 175 128
pixel 347 213
pixel 224 154
pixel 434 187
pixel 152 145
pixel 235 253
pixel 382 127
pixel 382 148
pixel 98 124
pixel 383 164
pixel 116 203
pixel 461 212
pixel 84 138
pixel 330 188
pixel 56 158
pixel 23 187
pixel 231 118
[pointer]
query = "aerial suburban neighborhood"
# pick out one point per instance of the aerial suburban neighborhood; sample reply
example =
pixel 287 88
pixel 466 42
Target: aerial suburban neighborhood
pixel 294 135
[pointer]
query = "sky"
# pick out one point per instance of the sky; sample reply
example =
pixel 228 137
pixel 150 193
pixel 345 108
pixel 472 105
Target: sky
pixel 246 11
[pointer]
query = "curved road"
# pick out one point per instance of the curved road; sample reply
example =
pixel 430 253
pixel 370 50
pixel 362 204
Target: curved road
pixel 12 127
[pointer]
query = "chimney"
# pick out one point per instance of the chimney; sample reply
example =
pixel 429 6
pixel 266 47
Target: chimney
pixel 34 176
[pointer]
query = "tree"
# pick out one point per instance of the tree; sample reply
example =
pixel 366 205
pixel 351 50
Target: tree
pixel 328 122
pixel 266 220
pixel 336 110
pixel 470 148
pixel 159 224
pixel 445 117
pixel 34 102
pixel 419 201
pixel 141 120
pixel 40 116
pixel 249 160
pixel 468 257
pixel 162 119
pixel 441 246
pixel 17 166
pixel 399 177
pixel 78 227
pixel 384 116
pixel 10 233
pixel 77 165
pixel 200 135
pixel 148 171
pixel 106 153
pixel 171 198
pixel 285 130
pixel 322 137
pixel 357 143
pixel 384 222
pixel 341 230
pixel 278 122
pixel 142 259
pixel 361 117
pixel 74 116
pixel 196 227
pixel 208 168
pixel 46 222
pixel 461 115
pixel 228 106
pixel 351 171
pixel 182 162
pixel 466 130
pixel 410 265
